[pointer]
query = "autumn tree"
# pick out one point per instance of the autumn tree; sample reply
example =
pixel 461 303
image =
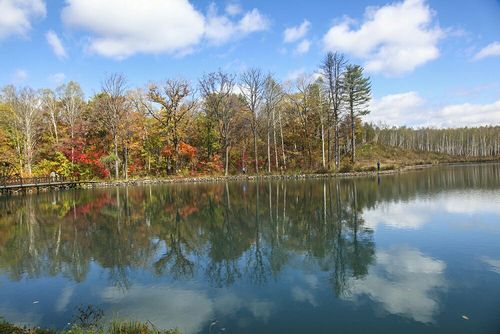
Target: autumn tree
pixel 174 100
pixel 301 101
pixel 216 89
pixel 357 95
pixel 114 104
pixel 25 110
pixel 52 110
pixel 72 101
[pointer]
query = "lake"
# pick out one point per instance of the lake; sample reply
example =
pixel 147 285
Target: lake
pixel 406 253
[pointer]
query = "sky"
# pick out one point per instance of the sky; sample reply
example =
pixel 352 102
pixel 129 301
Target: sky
pixel 431 62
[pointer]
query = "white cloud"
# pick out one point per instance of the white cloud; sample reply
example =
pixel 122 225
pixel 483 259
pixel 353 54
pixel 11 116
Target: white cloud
pixel 253 21
pixel 233 9
pixel 188 309
pixel 393 39
pixel 65 298
pixel 490 50
pixel 303 47
pixel 16 16
pixel 19 76
pixel 220 29
pixel 396 109
pixel 57 78
pixel 295 33
pixel 403 281
pixel 295 74
pixel 164 307
pixel 412 110
pixel 56 44
pixel 415 214
pixel 494 264
pixel 121 28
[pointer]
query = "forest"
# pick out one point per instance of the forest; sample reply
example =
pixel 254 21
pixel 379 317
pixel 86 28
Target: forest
pixel 225 123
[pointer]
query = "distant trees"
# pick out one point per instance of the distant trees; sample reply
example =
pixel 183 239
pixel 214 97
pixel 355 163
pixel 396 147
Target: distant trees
pixel 467 142
pixel 314 122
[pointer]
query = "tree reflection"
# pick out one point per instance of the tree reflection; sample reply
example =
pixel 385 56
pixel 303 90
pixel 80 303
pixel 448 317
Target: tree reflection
pixel 226 232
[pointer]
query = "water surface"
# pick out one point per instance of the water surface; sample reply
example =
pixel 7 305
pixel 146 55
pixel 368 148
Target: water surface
pixel 407 253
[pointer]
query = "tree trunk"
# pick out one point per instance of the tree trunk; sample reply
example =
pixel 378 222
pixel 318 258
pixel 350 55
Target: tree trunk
pixel 115 139
pixel 282 141
pixel 353 138
pixel 269 147
pixel 256 158
pixel 275 143
pixel 323 144
pixel 227 160
pixel 126 163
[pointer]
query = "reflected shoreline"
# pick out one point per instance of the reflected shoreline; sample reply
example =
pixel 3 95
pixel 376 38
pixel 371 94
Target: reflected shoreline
pixel 229 247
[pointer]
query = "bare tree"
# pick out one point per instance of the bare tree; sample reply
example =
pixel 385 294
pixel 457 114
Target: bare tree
pixel 25 105
pixel 301 101
pixel 273 95
pixel 52 108
pixel 252 89
pixel 115 103
pixel 71 99
pixel 173 99
pixel 216 89
pixel 332 69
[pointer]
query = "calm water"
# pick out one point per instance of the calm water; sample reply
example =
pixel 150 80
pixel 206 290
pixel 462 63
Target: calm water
pixel 408 253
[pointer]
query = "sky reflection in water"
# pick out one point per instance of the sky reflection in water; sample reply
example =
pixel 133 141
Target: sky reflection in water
pixel 412 252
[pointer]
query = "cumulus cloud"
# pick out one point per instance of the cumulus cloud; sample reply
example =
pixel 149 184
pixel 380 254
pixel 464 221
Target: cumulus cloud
pixel 393 39
pixel 16 16
pixel 303 47
pixel 396 109
pixel 65 298
pixel 220 29
pixel 56 44
pixel 412 110
pixel 295 33
pixel 403 281
pixel 233 9
pixel 491 50
pixel 415 214
pixel 19 76
pixel 122 28
pixel 494 264
pixel 188 309
pixel 57 78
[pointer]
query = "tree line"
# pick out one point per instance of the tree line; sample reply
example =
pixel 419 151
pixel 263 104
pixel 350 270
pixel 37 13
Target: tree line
pixel 474 142
pixel 223 123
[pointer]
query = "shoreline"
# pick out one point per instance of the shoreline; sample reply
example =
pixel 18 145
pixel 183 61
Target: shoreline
pixel 293 176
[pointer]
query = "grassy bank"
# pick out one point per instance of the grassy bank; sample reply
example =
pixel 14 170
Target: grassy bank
pixel 116 327
pixel 392 160
pixel 397 158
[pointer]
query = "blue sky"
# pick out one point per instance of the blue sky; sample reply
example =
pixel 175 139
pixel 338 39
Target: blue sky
pixel 431 62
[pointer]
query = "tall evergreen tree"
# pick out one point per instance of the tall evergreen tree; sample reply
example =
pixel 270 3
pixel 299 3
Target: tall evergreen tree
pixel 357 91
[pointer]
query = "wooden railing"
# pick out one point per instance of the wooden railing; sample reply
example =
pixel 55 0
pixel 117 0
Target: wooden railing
pixel 25 181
